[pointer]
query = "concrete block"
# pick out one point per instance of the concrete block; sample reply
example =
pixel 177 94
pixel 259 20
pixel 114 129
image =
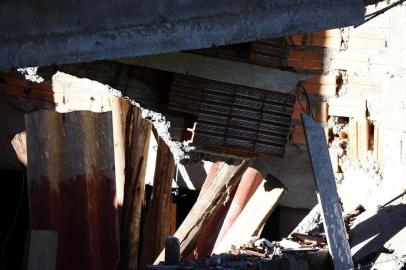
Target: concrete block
pixel 363 86
pixel 366 40
pixel 353 139
pixel 326 39
pixel 351 61
pixel 347 107
pixel 379 64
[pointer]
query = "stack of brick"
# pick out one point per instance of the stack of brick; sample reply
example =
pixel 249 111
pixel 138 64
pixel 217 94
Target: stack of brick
pixel 308 54
pixel 363 62
pixel 348 78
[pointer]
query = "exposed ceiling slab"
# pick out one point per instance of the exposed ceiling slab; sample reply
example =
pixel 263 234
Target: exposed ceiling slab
pixel 37 33
pixel 222 70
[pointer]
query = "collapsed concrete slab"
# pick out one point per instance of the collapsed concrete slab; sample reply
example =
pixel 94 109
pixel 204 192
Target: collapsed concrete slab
pixel 49 32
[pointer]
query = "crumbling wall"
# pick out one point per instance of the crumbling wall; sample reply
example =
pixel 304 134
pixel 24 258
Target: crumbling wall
pixel 367 118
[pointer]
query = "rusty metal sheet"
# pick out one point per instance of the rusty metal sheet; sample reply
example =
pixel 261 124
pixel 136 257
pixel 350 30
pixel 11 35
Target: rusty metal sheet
pixel 71 186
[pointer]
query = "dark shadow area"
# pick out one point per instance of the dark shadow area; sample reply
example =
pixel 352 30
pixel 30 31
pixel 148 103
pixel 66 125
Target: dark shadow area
pixel 14 218
pixel 381 227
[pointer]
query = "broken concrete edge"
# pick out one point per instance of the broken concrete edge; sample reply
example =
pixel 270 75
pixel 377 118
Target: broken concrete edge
pixel 249 21
pixel 183 152
pixel 180 150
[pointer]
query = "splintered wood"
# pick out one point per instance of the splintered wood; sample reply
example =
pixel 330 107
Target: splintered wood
pixel 19 143
pixel 136 160
pixel 215 194
pixel 157 224
pixel 254 215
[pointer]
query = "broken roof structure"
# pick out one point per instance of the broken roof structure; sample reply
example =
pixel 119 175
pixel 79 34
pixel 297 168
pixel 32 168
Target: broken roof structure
pixel 155 135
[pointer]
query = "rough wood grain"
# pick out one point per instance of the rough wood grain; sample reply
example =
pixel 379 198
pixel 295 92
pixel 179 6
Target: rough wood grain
pixel 254 215
pixel 137 140
pixel 157 225
pixel 215 194
pixel 19 143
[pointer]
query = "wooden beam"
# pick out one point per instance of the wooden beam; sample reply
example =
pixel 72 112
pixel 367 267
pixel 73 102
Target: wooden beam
pixel 249 183
pixel 157 226
pixel 215 194
pixel 327 194
pixel 254 215
pixel 118 108
pixel 137 140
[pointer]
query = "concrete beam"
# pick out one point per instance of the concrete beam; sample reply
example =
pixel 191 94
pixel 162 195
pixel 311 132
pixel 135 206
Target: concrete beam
pixel 327 195
pixel 222 70
pixel 44 32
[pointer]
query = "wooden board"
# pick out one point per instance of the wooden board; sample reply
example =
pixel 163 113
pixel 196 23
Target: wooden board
pixel 215 194
pixel 253 216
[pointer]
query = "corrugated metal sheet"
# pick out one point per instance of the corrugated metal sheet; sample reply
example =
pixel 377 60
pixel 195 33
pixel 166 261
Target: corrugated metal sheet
pixel 232 117
pixel 71 186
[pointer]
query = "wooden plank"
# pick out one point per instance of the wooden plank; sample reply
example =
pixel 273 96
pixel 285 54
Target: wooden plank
pixel 119 147
pixel 137 140
pixel 215 194
pixel 254 215
pixel 157 225
pixel 19 143
pixel 327 195
pixel 353 139
pixel 363 139
pixel 42 250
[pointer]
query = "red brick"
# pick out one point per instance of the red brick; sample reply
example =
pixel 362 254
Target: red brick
pixel 305 60
pixel 325 39
pixel 298 135
pixel 324 85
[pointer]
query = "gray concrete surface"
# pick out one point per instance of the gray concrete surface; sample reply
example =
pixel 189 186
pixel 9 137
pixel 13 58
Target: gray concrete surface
pixel 222 70
pixel 293 170
pixel 46 32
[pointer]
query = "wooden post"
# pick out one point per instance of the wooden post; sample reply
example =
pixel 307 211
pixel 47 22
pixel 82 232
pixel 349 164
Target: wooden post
pixel 157 226
pixel 327 195
pixel 119 147
pixel 137 140
pixel 253 216
pixel 215 194
pixel 172 250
